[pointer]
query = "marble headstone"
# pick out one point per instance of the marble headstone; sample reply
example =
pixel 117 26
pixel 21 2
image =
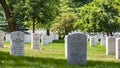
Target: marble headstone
pixel 66 43
pixel 35 38
pixel 110 45
pixel 17 43
pixel 92 41
pixel 118 48
pixel 27 38
pixel 103 41
pixel 76 48
pixel 44 39
pixel 2 34
pixel 7 37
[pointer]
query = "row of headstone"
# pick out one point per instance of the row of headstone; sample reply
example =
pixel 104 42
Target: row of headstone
pixel 75 48
pixel 17 42
pixel 27 37
pixel 113 46
pixel 45 39
pixel 94 40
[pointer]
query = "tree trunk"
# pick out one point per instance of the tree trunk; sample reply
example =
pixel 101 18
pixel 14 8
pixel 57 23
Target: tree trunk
pixel 11 24
pixel 48 31
pixel 111 34
pixel 34 26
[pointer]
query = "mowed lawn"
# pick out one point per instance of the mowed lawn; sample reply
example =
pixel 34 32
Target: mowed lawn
pixel 52 56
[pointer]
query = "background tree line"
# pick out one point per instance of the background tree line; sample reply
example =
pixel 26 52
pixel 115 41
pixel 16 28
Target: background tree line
pixel 63 16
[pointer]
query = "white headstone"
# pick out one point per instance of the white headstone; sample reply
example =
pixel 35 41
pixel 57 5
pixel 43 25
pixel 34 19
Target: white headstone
pixel 103 41
pixel 92 41
pixel 76 48
pixel 96 39
pixel 35 38
pixel 50 38
pixel 7 37
pixel 27 38
pixel 110 45
pixel 118 48
pixel 2 34
pixel 66 43
pixel 17 43
pixel 44 39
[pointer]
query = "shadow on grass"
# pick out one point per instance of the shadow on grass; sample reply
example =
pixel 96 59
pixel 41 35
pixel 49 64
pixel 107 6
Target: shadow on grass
pixel 7 61
pixel 58 41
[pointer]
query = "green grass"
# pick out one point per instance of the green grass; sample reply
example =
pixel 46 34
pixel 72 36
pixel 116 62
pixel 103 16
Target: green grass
pixel 52 56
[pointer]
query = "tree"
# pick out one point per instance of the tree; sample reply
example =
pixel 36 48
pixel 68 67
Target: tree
pixel 9 16
pixel 99 16
pixel 42 12
pixel 3 23
pixel 64 24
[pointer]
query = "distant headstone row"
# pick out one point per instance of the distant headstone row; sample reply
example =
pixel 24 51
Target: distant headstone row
pixel 17 40
pixel 112 44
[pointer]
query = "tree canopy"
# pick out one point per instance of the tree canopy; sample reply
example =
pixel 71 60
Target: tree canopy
pixel 99 16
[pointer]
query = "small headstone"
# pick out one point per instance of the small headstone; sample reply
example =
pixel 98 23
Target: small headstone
pixel 76 48
pixel 27 38
pixel 50 38
pixel 17 43
pixel 110 45
pixel 96 39
pixel 7 37
pixel 92 41
pixel 44 39
pixel 118 48
pixel 103 41
pixel 2 38
pixel 35 38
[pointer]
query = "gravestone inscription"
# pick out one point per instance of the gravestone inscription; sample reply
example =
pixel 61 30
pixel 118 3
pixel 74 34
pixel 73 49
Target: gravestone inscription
pixel 17 43
pixel 35 41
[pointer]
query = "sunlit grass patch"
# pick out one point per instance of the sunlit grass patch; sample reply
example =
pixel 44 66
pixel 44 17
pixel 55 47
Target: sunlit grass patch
pixel 52 56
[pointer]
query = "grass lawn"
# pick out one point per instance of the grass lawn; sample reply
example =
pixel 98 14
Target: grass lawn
pixel 52 56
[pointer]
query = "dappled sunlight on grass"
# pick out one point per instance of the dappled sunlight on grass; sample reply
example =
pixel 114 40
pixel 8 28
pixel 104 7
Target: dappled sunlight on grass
pixel 52 56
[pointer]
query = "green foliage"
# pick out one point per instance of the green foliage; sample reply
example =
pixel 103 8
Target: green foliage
pixel 20 12
pixel 43 11
pixel 3 22
pixel 99 16
pixel 64 24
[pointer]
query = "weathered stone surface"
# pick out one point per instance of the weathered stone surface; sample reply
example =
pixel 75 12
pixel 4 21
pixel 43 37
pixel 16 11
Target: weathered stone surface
pixel 103 41
pixel 118 48
pixel 7 37
pixel 35 41
pixel 17 43
pixel 92 41
pixel 110 45
pixel 2 34
pixel 44 39
pixel 76 48
pixel 27 38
